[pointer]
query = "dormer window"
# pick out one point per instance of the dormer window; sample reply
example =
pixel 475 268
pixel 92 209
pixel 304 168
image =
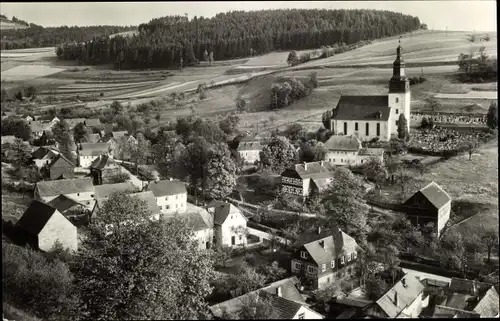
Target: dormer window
pixel 333 264
pixel 323 267
pixel 378 115
pixel 303 255
pixel 342 259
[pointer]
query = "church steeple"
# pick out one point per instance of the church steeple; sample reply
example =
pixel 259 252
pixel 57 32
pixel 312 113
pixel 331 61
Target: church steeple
pixel 398 82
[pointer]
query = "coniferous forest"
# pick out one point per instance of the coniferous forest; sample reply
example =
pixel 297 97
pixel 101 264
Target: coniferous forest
pixel 176 41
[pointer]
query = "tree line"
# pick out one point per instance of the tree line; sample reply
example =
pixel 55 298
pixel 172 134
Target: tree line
pixel 174 40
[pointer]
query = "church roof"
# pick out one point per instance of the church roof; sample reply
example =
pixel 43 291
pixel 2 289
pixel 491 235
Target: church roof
pixel 362 108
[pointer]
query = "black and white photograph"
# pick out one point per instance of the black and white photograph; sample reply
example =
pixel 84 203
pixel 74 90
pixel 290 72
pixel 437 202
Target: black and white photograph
pixel 182 160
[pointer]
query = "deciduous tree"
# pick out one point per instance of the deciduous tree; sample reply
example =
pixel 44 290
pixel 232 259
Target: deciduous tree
pixel 278 155
pixel 492 116
pixel 403 127
pixel 220 172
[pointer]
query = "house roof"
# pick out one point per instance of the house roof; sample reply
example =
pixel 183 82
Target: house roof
pixel 198 218
pixel 362 108
pixel 150 200
pixel 465 286
pixel 435 194
pixel 94 138
pixel 106 190
pixel 286 306
pixel 249 146
pixel 357 303
pixel 488 306
pixel 35 217
pixel 58 157
pixel 119 134
pixel 72 122
pixel 458 300
pixel 166 187
pixel 64 186
pixel 222 211
pixel 400 296
pixel 92 122
pixel 326 249
pixel 41 152
pixel 341 142
pixel 371 152
pixel 63 203
pixel 90 149
pixel 322 183
pixel 102 161
pixel 315 170
pixel 447 312
pixel 9 139
pixel 38 126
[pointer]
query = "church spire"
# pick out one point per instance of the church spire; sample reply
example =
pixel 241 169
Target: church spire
pixel 398 80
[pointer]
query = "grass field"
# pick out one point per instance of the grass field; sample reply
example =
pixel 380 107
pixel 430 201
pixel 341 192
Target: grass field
pixel 27 72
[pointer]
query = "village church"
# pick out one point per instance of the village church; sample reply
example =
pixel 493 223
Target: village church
pixel 369 117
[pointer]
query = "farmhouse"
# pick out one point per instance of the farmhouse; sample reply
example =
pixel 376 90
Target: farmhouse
pixel 66 205
pixel 92 123
pixel 43 226
pixel 307 179
pixel 104 191
pixel 60 167
pixel 347 150
pixel 249 149
pixel 229 224
pixel 201 222
pixel 103 166
pixel 324 260
pixel 171 195
pixel 88 152
pixel 404 300
pixel 369 117
pixel 430 204
pixel 43 156
pixel 283 295
pixel 81 190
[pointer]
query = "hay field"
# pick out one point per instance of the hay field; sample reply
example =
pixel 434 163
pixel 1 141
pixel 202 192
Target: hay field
pixel 27 72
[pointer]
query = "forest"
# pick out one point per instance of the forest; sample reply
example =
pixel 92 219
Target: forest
pixel 176 41
pixel 37 36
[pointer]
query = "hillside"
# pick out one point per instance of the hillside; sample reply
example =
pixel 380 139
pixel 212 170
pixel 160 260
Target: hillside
pixel 6 24
pixel 165 42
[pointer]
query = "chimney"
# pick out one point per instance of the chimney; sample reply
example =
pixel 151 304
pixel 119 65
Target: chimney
pixel 403 282
pixel 322 243
pixel 474 288
pixel 278 291
pixel 170 179
pixel 319 230
pixel 395 298
pixel 321 163
pixel 305 166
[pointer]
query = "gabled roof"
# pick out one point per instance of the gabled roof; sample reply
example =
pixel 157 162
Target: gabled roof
pixel 325 249
pixel 58 157
pixel 441 311
pixel 371 152
pixel 40 153
pixel 90 149
pixel 64 186
pixel 198 218
pixel 344 143
pixel 436 195
pixel 35 217
pixel 166 187
pixel 315 170
pixel 94 138
pixel 63 203
pixel 119 134
pixel 103 161
pixel 9 139
pixel 488 306
pixel 222 211
pixel 362 108
pixel 400 296
pixel 92 122
pixel 150 200
pixel 286 306
pixel 106 190
pixel 465 286
pixel 72 122
pixel 38 126
pixel 249 146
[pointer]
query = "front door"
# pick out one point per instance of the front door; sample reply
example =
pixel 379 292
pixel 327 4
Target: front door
pixel 233 240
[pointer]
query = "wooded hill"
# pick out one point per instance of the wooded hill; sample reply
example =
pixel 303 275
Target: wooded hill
pixel 176 41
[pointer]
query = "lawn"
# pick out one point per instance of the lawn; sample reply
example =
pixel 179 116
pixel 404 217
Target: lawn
pixel 26 72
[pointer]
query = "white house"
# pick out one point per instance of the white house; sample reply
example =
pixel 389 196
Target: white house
pixel 347 150
pixel 81 190
pixel 369 117
pixel 249 150
pixel 230 225
pixel 171 195
pixel 88 152
pixel 201 222
pixel 308 178
pixel 43 156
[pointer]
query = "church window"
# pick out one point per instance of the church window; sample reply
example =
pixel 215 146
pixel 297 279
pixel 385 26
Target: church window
pixel 345 128
pixel 367 129
pixel 397 122
pixel 397 101
pixel 397 110
pixel 378 129
pixel 356 126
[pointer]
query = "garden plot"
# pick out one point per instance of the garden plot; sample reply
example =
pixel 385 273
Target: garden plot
pixel 26 72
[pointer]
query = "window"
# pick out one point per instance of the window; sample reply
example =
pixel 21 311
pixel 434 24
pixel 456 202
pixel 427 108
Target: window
pixel 176 205
pixel 298 266
pixel 301 316
pixel 333 264
pixel 367 129
pixel 91 195
pixel 345 128
pixel 378 129
pixel 310 269
pixel 241 237
pixel 397 122
pixel 356 126
pixel 323 268
pixel 342 259
pixel 361 161
pixel 176 196
pixel 341 160
pixel 167 207
pixel 160 208
pixel 397 100
pixel 397 110
pixel 77 194
pixel 303 255
pixel 349 257
pixel 334 160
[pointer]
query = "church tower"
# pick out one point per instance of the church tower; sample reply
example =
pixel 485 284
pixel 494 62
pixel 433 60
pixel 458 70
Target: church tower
pixel 399 92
